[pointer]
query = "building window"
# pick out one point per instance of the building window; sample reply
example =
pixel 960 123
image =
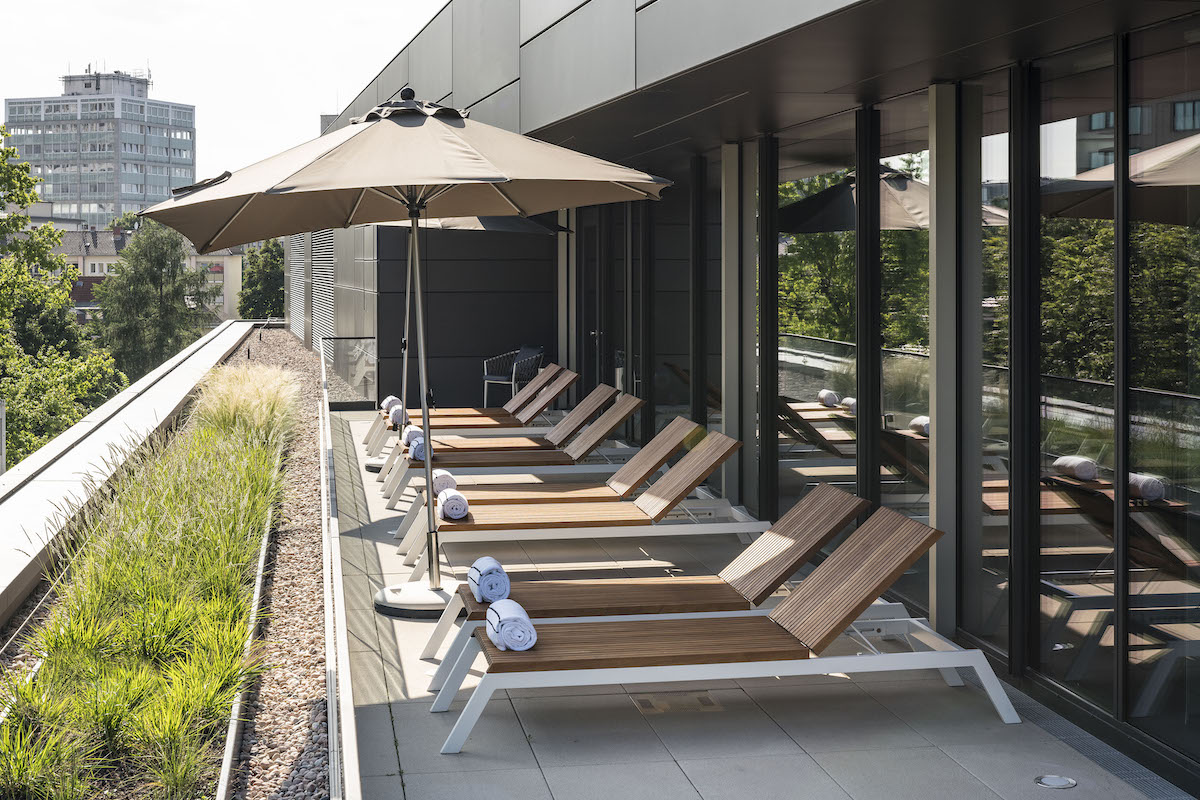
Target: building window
pixel 132 108
pixel 131 188
pixel 157 150
pixel 1101 120
pixel 1101 158
pixel 1187 115
pixel 133 147
pixel 177 152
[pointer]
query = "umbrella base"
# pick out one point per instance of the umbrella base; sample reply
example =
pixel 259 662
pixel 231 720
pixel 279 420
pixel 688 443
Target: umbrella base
pixel 414 600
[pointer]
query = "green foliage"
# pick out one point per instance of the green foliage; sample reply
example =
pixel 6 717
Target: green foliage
pixel 262 282
pixel 143 653
pixel 129 221
pixel 51 374
pixel 151 304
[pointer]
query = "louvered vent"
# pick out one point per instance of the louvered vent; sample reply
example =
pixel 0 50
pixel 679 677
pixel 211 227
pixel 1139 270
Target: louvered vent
pixel 295 284
pixel 322 287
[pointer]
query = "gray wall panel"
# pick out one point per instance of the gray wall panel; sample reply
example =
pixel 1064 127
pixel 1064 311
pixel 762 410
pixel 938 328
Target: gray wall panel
pixel 502 109
pixel 486 47
pixel 674 35
pixel 429 60
pixel 537 15
pixel 393 77
pixel 584 60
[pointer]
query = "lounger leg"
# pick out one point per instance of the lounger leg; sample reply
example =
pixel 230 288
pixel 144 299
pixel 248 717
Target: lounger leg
pixel 405 475
pixel 395 476
pixel 1090 648
pixel 462 665
pixel 414 542
pixel 443 626
pixel 375 446
pixel 461 639
pixel 991 684
pixel 389 463
pixel 469 716
pixel 410 517
pixel 374 429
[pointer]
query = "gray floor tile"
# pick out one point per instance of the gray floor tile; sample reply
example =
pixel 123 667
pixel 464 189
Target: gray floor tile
pixel 360 630
pixel 497 741
pixel 509 784
pixel 661 780
pixel 597 729
pixel 828 717
pixel 737 727
pixel 1010 770
pixel 787 777
pixel 390 787
pixel 376 741
pixel 904 774
pixel 375 678
pixel 951 714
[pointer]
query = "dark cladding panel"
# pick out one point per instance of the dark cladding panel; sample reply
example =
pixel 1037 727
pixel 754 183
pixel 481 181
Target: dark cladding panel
pixel 429 59
pixel 486 48
pixel 675 35
pixel 537 15
pixel 584 60
pixel 393 77
pixel 502 109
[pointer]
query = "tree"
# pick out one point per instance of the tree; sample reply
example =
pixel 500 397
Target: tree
pixel 262 282
pixel 51 375
pixel 129 221
pixel 151 304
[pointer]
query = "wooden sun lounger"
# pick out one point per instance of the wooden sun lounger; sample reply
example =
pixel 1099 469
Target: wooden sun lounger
pixel 786 641
pixel 595 519
pixel 398 469
pixel 835 441
pixel 619 486
pixel 746 582
pixel 525 406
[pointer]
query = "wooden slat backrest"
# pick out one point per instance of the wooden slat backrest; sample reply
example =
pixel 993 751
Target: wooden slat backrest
pixel 562 381
pixel 804 428
pixel 650 458
pixel 799 535
pixel 860 568
pixel 531 389
pixel 577 417
pixel 593 435
pixel 547 396
pixel 691 470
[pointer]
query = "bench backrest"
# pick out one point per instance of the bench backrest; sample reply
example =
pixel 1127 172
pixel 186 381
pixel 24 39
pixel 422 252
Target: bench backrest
pixel 605 425
pixel 638 469
pixel 562 381
pixel 531 389
pixel 577 417
pixel 691 470
pixel 794 540
pixel 860 568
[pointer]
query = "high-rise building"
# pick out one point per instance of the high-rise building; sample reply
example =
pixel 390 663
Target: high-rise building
pixel 104 147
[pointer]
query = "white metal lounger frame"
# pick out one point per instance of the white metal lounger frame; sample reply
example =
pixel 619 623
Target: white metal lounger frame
pixel 931 651
pixel 377 436
pixel 414 542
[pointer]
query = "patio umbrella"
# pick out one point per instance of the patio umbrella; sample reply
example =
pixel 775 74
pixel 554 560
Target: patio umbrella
pixel 1165 182
pixel 403 159
pixel 904 206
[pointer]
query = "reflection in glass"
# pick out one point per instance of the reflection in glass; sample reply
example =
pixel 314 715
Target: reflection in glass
pixel 1164 437
pixel 1077 362
pixel 904 264
pixel 816 309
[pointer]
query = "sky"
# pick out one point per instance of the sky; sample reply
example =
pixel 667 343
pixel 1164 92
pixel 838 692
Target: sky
pixel 260 72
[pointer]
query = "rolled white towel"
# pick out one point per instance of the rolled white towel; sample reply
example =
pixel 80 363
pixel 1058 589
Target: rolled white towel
pixel 396 414
pixel 389 401
pixel 452 504
pixel 851 405
pixel 411 432
pixel 828 397
pixel 416 449
pixel 919 425
pixel 1146 487
pixel 443 480
pixel 488 580
pixel 1077 467
pixel 509 627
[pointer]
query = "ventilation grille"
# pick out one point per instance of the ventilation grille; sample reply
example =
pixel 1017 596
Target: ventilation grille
pixel 295 284
pixel 322 286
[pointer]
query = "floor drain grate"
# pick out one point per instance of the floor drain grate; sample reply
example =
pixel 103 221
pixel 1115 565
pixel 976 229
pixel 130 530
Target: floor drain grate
pixel 676 702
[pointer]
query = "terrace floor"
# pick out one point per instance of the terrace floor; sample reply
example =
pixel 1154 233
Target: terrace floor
pixel 884 736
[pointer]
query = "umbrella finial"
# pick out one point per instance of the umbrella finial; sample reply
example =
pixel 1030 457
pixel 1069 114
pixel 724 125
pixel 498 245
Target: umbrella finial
pixel 407 93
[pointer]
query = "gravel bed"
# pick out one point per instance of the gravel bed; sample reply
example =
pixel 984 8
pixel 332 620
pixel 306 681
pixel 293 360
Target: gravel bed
pixel 285 739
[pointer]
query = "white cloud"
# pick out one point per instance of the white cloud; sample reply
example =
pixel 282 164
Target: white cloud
pixel 260 72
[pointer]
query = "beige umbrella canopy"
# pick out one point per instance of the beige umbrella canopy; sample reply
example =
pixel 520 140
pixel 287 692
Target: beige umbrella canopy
pixel 402 160
pixel 400 157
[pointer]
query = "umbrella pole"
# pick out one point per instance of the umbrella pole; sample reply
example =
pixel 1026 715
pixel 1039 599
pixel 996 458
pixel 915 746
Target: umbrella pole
pixel 408 263
pixel 431 553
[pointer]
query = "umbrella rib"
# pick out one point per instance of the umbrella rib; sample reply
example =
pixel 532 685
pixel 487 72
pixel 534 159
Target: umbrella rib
pixel 389 197
pixel 225 227
pixel 507 199
pixel 441 191
pixel 623 185
pixel 354 210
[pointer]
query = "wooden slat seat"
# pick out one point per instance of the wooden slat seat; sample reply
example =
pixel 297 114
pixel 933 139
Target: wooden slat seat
pixel 649 643
pixel 544 515
pixel 616 596
pixel 467 443
pixel 539 493
pixel 557 436
pixel 522 398
pixel 500 458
